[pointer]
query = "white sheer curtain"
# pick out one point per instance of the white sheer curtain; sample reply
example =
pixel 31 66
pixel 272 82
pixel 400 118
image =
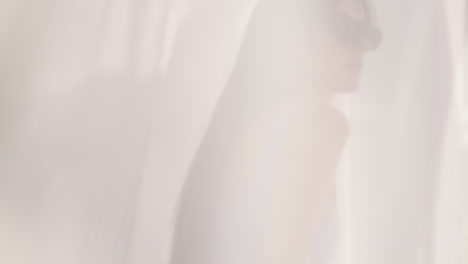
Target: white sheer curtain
pixel 405 184
pixel 105 102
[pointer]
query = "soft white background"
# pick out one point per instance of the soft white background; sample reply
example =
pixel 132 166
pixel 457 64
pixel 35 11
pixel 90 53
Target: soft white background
pixel 104 103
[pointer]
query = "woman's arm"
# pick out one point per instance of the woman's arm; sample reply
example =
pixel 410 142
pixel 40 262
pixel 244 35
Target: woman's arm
pixel 258 197
pixel 299 158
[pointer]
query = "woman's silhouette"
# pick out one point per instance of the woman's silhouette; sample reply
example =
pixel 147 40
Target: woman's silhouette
pixel 263 178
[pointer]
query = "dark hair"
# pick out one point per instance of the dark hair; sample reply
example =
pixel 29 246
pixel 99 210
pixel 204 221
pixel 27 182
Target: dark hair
pixel 278 37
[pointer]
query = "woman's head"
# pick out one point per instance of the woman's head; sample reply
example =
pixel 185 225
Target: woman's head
pixel 351 33
pixel 299 47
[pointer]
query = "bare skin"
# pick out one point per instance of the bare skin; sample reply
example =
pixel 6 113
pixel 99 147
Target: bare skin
pixel 305 196
pixel 229 213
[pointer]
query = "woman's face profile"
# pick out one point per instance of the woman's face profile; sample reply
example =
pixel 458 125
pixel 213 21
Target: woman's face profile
pixel 341 55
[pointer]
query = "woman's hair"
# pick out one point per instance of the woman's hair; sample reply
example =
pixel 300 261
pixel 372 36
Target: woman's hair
pixel 276 58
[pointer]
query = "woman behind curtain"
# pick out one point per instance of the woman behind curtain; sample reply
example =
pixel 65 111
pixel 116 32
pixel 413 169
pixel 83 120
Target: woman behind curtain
pixel 263 179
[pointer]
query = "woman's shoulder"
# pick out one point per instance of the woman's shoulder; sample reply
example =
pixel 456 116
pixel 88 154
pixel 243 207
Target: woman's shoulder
pixel 297 126
pixel 312 118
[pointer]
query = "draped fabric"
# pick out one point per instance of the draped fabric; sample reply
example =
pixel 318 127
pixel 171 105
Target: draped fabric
pixel 107 103
pixel 402 168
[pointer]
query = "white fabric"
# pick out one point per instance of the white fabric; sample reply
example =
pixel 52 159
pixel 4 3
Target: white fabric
pixel 405 122
pixel 104 103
